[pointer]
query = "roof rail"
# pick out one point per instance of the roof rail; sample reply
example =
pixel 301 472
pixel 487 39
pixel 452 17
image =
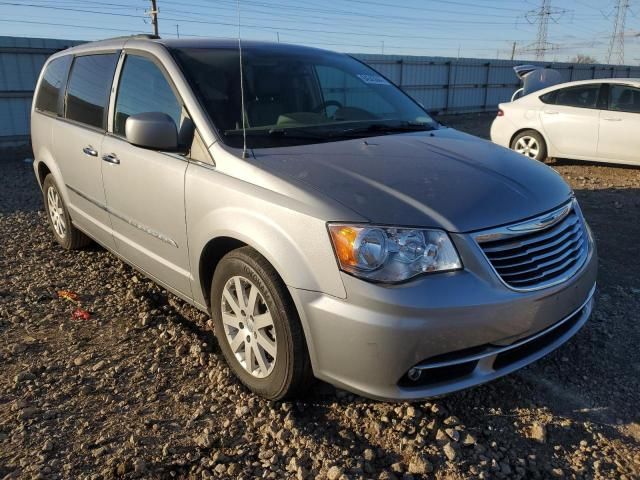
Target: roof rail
pixel 148 36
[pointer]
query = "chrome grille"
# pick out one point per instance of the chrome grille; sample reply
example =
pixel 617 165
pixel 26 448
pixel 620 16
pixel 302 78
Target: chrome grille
pixel 538 253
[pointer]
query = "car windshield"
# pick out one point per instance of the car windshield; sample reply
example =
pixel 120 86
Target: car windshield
pixel 296 96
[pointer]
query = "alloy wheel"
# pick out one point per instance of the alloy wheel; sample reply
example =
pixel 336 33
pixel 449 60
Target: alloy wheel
pixel 56 212
pixel 248 326
pixel 527 146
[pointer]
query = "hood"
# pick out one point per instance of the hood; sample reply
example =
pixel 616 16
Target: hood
pixel 442 178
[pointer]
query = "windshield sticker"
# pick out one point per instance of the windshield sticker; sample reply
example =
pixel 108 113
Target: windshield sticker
pixel 373 79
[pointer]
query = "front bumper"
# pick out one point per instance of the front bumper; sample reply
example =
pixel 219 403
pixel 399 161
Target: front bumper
pixel 459 329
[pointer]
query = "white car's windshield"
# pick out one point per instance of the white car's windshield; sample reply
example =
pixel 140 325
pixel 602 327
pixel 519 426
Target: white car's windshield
pixel 295 96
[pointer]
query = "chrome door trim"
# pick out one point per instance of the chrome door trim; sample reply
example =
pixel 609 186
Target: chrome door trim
pixel 150 231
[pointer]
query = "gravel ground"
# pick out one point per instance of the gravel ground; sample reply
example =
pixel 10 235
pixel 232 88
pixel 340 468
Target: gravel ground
pixel 140 390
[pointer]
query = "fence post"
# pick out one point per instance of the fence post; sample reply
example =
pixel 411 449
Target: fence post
pixel 486 86
pixel 446 104
pixel 571 69
pixel 401 76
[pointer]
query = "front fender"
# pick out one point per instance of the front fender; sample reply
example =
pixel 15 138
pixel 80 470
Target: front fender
pixel 292 239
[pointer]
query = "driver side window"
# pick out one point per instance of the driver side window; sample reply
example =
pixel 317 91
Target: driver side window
pixel 143 88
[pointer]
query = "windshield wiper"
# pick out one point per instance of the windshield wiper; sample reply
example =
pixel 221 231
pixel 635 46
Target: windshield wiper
pixel 292 132
pixel 375 128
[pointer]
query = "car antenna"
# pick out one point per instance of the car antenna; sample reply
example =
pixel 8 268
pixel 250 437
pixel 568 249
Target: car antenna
pixel 245 154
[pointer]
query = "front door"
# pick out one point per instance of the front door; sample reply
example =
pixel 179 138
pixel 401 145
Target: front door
pixel 620 125
pixel 145 188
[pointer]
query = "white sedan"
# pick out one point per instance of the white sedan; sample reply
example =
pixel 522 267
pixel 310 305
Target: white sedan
pixel 597 120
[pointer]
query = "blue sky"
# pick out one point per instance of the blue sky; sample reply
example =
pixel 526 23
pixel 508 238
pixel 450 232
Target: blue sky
pixel 466 28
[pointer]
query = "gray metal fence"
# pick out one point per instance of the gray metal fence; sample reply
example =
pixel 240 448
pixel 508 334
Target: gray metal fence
pixel 450 85
pixel 20 62
pixel 445 85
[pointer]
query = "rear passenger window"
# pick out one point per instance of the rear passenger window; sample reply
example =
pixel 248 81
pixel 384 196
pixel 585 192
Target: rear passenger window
pixel 584 96
pixel 143 88
pixel 51 84
pixel 89 85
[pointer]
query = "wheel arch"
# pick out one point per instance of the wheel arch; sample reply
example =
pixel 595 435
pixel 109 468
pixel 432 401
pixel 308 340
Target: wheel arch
pixel 42 170
pixel 210 257
pixel 213 251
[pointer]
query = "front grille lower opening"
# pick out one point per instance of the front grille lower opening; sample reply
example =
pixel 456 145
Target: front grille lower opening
pixel 514 355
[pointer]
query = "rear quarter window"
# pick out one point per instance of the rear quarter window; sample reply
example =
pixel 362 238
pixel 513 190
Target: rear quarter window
pixel 52 84
pixel 549 98
pixel 89 86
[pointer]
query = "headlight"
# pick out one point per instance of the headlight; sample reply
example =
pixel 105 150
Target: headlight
pixel 390 254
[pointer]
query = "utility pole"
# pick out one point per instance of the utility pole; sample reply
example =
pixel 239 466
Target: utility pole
pixel 513 51
pixel 154 17
pixel 177 30
pixel 616 44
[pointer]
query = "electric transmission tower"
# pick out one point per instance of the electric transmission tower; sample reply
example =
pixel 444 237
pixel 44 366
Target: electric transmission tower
pixel 616 44
pixel 542 16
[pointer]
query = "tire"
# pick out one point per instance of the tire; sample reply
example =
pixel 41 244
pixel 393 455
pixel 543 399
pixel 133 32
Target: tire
pixel 285 370
pixel 531 144
pixel 68 236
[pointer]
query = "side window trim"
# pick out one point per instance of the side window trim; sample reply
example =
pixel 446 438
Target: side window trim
pixel 63 114
pixel 62 96
pixel 118 77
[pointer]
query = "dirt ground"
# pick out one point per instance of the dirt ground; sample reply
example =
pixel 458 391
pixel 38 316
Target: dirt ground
pixel 140 390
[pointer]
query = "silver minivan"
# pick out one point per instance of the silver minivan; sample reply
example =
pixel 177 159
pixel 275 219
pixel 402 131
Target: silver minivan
pixel 328 224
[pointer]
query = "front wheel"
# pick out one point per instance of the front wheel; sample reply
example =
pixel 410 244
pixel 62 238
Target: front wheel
pixel 531 144
pixel 257 326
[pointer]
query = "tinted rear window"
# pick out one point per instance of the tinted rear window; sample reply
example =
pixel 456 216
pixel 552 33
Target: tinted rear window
pixel 51 84
pixel 584 96
pixel 88 91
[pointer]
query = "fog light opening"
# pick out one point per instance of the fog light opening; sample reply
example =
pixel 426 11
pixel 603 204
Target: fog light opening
pixel 414 374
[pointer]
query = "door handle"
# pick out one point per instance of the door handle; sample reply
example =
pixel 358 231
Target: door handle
pixel 89 150
pixel 612 119
pixel 111 158
pixel 551 112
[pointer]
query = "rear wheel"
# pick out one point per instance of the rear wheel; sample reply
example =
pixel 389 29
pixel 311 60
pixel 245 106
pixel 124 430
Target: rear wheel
pixel 531 144
pixel 68 236
pixel 257 326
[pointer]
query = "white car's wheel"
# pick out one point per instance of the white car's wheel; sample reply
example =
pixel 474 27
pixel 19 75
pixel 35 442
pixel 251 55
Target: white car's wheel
pixel 531 144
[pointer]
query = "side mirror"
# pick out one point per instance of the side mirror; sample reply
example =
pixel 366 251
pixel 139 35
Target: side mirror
pixel 152 130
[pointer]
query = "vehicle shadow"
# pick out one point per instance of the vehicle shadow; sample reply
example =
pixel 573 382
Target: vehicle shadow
pixel 558 162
